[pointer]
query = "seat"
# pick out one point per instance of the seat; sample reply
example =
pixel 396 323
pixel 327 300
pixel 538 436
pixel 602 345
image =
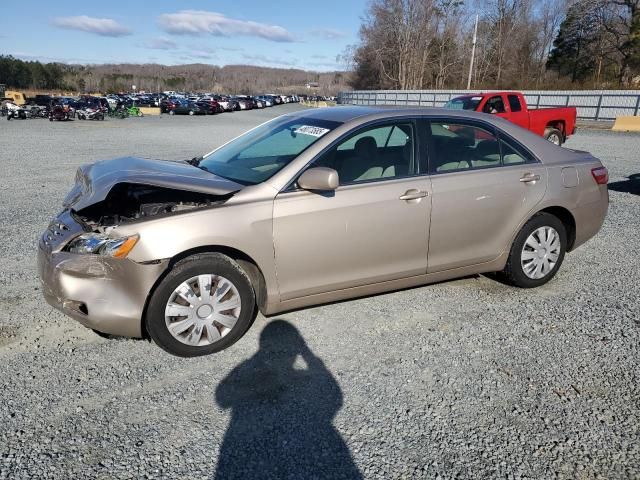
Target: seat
pixel 364 164
pixel 453 154
pixel 400 169
pixel 486 154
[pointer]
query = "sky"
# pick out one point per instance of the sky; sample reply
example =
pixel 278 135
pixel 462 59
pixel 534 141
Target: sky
pixel 284 33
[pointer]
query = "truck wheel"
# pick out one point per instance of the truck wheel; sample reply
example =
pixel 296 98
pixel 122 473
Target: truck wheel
pixel 553 135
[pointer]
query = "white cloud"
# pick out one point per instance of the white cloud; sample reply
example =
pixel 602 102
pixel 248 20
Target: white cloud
pixel 160 43
pixel 328 33
pixel 100 26
pixel 197 22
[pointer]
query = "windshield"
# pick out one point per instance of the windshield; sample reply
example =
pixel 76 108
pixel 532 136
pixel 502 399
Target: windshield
pixel 463 103
pixel 265 150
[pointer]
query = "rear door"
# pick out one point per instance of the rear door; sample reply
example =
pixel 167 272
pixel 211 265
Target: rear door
pixel 483 187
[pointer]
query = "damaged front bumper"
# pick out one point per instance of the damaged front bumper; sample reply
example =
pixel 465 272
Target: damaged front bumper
pixel 103 293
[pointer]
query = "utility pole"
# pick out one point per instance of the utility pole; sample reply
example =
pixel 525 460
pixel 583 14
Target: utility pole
pixel 473 53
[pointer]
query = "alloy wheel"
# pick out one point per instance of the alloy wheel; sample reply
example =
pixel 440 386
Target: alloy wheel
pixel 554 138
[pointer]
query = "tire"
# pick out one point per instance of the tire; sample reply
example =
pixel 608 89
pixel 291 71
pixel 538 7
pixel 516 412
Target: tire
pixel 554 136
pixel 219 268
pixel 514 271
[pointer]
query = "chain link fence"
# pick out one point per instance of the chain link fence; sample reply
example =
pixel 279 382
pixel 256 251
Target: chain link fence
pixel 598 105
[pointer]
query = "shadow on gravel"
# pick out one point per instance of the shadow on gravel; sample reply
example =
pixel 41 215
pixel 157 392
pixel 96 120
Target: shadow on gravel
pixel 631 185
pixel 282 413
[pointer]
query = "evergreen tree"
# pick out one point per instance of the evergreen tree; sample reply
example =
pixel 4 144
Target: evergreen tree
pixel 571 54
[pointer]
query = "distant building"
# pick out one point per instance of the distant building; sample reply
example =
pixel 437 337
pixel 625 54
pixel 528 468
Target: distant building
pixel 312 85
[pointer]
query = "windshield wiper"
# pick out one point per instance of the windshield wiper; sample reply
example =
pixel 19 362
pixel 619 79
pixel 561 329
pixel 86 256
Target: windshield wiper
pixel 195 161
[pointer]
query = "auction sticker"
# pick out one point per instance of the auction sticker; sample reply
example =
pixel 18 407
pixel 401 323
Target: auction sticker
pixel 313 131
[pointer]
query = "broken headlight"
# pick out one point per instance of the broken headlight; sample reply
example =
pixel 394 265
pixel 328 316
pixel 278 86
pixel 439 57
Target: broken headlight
pixel 101 244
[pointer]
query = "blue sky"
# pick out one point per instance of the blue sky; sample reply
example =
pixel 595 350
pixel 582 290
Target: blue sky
pixel 286 33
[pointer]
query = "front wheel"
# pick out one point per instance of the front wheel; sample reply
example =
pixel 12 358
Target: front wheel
pixel 537 252
pixel 205 304
pixel 553 135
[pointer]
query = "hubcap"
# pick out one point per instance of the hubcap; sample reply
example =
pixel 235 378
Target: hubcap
pixel 202 310
pixel 540 253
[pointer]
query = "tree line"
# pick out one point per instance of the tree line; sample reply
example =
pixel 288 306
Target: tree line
pixel 426 44
pixel 23 75
pixel 113 78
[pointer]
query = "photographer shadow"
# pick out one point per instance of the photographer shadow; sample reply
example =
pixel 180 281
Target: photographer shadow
pixel 281 414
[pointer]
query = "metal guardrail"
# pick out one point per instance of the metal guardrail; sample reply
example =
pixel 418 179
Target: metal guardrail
pixel 590 104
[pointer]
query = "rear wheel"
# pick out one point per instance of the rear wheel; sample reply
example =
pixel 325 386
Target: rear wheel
pixel 553 135
pixel 537 252
pixel 205 304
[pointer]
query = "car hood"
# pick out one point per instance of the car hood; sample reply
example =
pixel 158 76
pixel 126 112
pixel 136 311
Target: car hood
pixel 93 182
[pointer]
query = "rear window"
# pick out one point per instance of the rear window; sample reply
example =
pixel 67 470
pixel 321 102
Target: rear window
pixel 514 103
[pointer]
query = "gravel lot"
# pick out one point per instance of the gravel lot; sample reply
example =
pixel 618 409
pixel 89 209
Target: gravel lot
pixel 464 379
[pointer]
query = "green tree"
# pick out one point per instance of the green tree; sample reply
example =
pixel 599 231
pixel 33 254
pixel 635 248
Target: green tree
pixel 571 54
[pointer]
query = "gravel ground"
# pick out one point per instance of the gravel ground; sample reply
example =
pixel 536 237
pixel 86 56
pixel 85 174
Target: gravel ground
pixel 464 379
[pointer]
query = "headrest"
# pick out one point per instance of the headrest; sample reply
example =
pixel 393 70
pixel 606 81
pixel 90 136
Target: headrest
pixel 366 146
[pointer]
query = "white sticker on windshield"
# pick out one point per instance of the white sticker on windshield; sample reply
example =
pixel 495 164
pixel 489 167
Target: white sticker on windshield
pixel 313 131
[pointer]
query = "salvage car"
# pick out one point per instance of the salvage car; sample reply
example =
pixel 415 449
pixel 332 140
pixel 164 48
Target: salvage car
pixel 313 207
pixel 555 124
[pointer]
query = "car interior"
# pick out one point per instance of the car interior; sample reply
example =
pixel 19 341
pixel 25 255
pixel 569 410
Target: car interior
pixel 463 147
pixel 379 153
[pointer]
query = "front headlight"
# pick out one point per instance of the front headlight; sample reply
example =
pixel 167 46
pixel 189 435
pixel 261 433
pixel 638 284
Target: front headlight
pixel 101 244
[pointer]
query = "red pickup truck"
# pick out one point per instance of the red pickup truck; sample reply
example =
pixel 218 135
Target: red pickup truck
pixel 554 124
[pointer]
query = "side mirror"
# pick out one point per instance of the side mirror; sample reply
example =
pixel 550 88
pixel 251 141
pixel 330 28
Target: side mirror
pixel 319 178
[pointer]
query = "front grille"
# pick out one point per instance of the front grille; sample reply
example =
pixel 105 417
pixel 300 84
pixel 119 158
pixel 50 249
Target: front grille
pixel 60 230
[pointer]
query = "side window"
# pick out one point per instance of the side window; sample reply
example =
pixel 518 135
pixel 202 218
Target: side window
pixel 513 155
pixel 514 103
pixel 375 153
pixel 494 105
pixel 456 146
pixel 380 135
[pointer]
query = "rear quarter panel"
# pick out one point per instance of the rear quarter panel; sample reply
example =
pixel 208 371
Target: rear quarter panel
pixel 572 186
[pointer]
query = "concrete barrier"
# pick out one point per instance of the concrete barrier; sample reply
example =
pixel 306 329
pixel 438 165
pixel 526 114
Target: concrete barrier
pixel 626 124
pixel 318 104
pixel 150 110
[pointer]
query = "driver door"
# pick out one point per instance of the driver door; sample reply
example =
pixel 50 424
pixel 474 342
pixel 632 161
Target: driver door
pixel 372 228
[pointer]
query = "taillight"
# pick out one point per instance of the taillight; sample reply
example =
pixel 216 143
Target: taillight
pixel 600 175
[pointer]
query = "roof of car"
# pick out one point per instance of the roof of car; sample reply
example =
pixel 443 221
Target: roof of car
pixel 347 113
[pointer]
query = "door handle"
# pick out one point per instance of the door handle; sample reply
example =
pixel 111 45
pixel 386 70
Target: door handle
pixel 530 178
pixel 413 194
